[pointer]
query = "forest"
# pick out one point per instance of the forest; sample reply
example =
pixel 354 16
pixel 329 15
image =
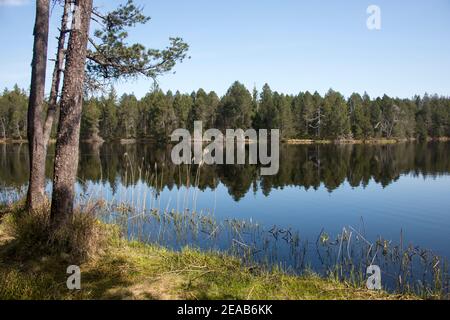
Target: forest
pixel 303 116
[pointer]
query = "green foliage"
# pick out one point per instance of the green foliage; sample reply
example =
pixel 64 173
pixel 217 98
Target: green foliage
pixel 127 114
pixel 336 116
pixel 90 118
pixel 161 114
pixel 267 110
pixel 236 108
pixel 182 104
pixel 13 112
pixel 108 115
pixel 284 116
pixel 200 110
pixel 359 117
pixel 111 58
pixel 301 116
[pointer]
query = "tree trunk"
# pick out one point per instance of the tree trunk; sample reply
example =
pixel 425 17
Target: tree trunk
pixel 36 192
pixel 37 176
pixel 56 80
pixel 36 195
pixel 66 157
pixel 3 128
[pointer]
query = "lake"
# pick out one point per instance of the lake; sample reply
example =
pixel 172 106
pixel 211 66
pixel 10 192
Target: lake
pixel 395 195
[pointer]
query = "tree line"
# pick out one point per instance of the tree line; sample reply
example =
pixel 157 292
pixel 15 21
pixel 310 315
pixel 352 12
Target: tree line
pixel 303 116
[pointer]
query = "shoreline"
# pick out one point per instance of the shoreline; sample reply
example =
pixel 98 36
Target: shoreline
pixel 131 141
pixel 380 141
pixel 22 141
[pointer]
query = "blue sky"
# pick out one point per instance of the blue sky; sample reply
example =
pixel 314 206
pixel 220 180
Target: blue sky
pixel 292 45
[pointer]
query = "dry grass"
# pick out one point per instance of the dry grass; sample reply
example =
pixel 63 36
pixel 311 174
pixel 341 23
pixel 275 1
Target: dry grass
pixel 82 236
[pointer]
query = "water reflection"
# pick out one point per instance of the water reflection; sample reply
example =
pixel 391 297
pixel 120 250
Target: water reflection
pixel 300 166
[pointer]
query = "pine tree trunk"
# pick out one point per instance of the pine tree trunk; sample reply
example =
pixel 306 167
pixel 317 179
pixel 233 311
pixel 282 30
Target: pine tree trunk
pixel 57 71
pixel 36 193
pixel 3 128
pixel 66 157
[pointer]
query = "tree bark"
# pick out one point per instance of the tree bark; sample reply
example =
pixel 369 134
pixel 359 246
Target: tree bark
pixel 67 144
pixel 36 193
pixel 57 71
pixel 3 128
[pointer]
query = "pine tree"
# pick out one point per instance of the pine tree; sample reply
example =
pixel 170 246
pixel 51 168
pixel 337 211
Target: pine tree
pixel 182 104
pixel 161 115
pixel 267 110
pixel 298 110
pixel 127 115
pixel 360 120
pixel 90 120
pixel 336 116
pixel 236 108
pixel 284 118
pixel 108 115
pixel 213 102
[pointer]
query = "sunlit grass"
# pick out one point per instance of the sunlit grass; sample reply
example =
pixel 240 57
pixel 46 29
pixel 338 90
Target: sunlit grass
pixel 130 270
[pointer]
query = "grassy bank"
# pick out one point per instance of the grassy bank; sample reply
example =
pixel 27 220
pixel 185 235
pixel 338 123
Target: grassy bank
pixel 132 270
pixel 136 271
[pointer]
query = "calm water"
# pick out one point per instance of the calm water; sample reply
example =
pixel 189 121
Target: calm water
pixel 379 190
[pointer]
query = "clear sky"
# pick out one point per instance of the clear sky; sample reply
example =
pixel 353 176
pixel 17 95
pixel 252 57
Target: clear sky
pixel 293 45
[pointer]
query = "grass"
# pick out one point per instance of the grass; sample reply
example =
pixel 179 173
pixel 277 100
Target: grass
pixel 81 238
pixel 31 268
